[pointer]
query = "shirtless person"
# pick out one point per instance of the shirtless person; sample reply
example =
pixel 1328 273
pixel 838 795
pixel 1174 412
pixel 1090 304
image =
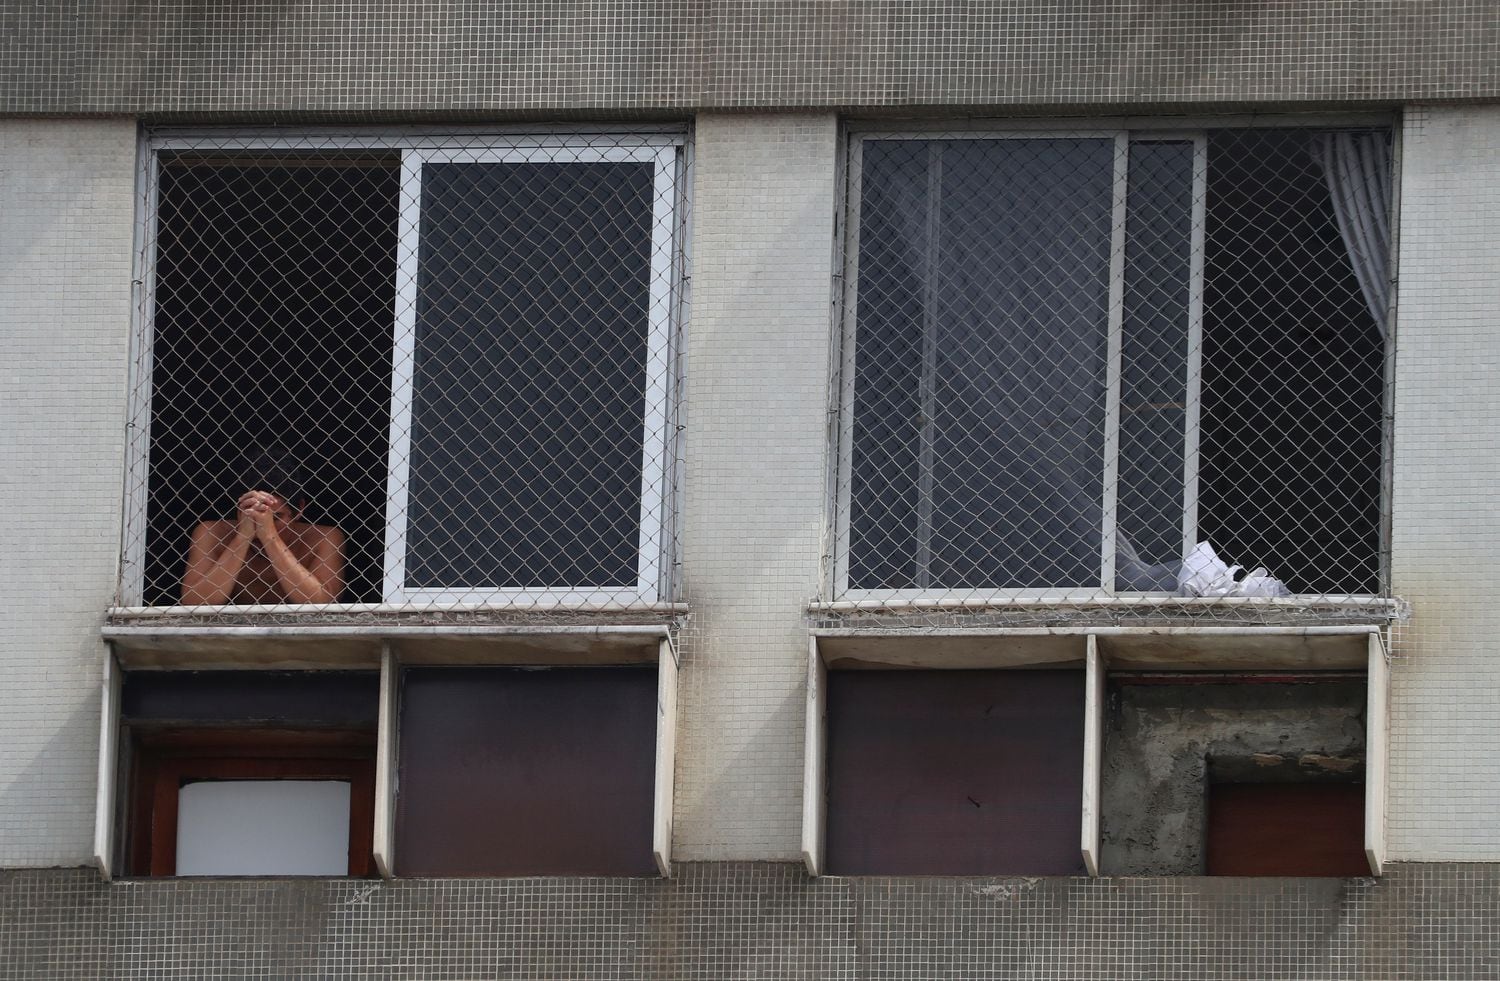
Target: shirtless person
pixel 267 553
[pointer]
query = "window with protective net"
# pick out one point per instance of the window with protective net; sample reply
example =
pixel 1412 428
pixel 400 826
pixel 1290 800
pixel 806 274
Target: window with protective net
pixel 1071 358
pixel 405 372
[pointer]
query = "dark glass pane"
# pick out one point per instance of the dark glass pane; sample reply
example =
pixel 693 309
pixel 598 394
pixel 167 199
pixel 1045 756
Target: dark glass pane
pixel 980 366
pixel 1293 369
pixel 1154 360
pixel 513 771
pixel 527 419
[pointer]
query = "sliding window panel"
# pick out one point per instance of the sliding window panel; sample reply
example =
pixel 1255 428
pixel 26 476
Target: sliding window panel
pixel 532 372
pixel 1158 313
pixel 980 373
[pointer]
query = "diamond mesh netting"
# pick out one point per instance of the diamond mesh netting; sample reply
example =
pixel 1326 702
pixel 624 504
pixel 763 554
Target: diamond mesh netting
pixel 1108 367
pixel 417 374
pixel 407 372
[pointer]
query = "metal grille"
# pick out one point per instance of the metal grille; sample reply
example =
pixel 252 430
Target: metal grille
pixel 407 371
pixel 1074 362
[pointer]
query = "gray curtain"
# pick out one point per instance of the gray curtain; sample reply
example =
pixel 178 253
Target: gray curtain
pixel 1357 167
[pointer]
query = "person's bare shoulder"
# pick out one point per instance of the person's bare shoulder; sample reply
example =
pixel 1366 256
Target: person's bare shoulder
pixel 216 532
pixel 320 534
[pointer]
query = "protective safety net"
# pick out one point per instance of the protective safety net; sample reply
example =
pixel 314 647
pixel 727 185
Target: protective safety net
pixel 1113 364
pixel 409 371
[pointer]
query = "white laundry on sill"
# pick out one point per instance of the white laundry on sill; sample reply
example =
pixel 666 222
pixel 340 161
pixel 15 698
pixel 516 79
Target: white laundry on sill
pixel 1205 574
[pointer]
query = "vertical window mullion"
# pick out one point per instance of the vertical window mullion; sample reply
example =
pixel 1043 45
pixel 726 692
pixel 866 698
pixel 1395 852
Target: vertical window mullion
pixel 654 457
pixel 1195 347
pixel 1113 370
pixel 927 386
pixel 403 363
pixel 844 469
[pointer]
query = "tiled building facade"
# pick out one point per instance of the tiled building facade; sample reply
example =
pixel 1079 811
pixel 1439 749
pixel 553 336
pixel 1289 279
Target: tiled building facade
pixel 764 96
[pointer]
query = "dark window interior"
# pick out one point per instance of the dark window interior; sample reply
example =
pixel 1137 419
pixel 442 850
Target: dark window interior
pixel 1307 829
pixel 512 771
pixel 979 388
pixel 954 772
pixel 1293 369
pixel 275 283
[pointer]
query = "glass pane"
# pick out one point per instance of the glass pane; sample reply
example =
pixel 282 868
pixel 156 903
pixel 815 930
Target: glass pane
pixel 528 405
pixel 1154 362
pixel 980 365
pixel 263 827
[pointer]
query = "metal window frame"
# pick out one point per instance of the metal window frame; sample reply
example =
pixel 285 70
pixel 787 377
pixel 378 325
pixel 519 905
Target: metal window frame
pixel 663 146
pixel 1125 131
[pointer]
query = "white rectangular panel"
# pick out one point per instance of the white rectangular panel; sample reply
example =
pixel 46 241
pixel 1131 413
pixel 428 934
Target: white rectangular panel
pixel 263 827
pixel 109 748
pixel 385 765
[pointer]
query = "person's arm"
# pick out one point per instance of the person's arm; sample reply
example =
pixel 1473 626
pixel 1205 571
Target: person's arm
pixel 215 560
pixel 321 580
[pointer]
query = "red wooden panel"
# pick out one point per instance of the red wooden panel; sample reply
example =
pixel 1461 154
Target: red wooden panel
pixel 955 772
pixel 1303 829
pixel 506 771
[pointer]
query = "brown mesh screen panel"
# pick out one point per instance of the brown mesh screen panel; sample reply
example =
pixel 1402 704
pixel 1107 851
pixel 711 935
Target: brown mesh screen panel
pixel 955 772
pixel 507 771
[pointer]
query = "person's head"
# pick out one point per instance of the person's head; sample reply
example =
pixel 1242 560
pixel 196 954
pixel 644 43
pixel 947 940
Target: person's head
pixel 275 470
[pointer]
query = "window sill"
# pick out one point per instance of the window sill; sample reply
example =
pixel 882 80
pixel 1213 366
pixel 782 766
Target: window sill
pixel 1381 606
pixel 169 642
pixel 1196 648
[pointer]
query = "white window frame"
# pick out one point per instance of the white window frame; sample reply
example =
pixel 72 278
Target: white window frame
pixel 664 148
pixel 654 456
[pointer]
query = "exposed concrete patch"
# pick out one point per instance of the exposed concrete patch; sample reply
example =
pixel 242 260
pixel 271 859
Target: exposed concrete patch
pixel 1164 743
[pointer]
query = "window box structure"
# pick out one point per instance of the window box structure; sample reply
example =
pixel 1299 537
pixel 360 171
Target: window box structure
pixel 632 669
pixel 1218 654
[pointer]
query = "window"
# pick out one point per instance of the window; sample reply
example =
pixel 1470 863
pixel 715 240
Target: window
pixel 454 355
pixel 1070 356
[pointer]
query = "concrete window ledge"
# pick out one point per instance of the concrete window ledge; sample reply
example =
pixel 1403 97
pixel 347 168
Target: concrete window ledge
pixel 163 643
